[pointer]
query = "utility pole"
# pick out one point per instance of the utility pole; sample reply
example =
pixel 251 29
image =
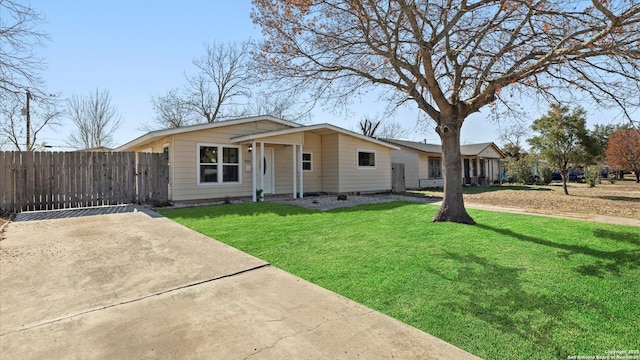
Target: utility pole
pixel 28 122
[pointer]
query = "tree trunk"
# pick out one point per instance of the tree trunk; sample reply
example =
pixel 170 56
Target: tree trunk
pixel 452 208
pixel 565 174
pixel 637 176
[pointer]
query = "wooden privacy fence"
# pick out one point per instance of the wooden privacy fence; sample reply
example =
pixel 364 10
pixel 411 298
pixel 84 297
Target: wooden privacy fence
pixel 61 180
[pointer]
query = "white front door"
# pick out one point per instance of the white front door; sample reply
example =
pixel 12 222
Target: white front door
pixel 267 169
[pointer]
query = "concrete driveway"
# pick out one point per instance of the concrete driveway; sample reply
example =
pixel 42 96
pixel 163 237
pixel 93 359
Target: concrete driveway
pixel 136 285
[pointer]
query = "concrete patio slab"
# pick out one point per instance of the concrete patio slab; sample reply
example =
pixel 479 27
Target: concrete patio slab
pixel 136 286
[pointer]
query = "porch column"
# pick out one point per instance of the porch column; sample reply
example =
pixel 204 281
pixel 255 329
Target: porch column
pixel 262 167
pixel 300 171
pixel 295 195
pixel 253 172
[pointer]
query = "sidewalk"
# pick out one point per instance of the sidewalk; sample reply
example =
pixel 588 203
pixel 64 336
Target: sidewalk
pixel 572 216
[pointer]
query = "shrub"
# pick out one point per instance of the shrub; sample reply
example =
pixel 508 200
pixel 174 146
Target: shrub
pixel 591 174
pixel 520 169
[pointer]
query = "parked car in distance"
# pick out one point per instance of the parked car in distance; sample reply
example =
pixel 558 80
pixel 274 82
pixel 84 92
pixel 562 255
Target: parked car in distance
pixel 573 175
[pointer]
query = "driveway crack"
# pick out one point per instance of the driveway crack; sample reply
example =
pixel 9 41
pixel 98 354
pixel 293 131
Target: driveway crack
pixel 178 288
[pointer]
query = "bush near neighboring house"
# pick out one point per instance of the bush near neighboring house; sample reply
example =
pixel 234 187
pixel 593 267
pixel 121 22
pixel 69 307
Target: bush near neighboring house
pixel 520 169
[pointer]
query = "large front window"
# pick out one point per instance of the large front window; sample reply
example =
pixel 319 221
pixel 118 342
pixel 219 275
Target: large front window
pixel 218 164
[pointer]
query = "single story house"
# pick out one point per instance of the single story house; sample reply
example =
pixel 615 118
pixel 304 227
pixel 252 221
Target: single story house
pixel 252 156
pixel 423 163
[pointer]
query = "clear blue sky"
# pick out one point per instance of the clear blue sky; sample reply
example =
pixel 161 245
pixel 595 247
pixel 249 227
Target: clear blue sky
pixel 136 49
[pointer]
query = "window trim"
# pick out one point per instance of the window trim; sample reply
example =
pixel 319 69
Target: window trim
pixel 375 159
pixel 220 165
pixel 310 161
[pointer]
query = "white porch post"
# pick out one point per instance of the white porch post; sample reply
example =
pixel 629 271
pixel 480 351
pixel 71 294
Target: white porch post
pixel 300 171
pixel 262 167
pixel 253 172
pixel 295 195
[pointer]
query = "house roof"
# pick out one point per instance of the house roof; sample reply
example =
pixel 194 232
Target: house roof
pixel 173 131
pixel 476 149
pixel 465 150
pixel 320 129
pixel 419 146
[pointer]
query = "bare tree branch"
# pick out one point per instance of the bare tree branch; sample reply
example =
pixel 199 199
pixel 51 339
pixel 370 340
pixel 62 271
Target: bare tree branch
pixel 44 113
pixel 20 67
pixel 95 119
pixel 222 76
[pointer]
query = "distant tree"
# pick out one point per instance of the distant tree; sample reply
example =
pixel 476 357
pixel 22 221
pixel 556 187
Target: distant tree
pixel 222 76
pixel 95 119
pixel 520 169
pixel 563 139
pixel 281 105
pixel 392 129
pixel 513 151
pixel 221 88
pixel 43 113
pixel 171 111
pixel 623 151
pixel 452 58
pixel 368 127
pixel 600 135
pixel 20 67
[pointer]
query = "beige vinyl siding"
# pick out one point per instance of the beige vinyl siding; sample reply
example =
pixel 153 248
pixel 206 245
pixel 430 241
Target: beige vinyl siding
pixel 186 163
pixel 295 138
pixel 313 179
pixel 354 179
pixel 283 158
pixel 330 167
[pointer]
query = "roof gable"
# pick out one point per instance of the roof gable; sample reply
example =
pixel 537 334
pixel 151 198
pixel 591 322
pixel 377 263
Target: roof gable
pixel 313 128
pixel 152 135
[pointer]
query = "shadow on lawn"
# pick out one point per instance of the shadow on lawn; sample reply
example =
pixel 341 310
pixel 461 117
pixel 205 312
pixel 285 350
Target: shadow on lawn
pixel 606 261
pixel 620 236
pixel 494 294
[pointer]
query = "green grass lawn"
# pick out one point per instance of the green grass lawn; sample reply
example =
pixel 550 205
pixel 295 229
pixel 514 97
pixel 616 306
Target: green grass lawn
pixel 511 287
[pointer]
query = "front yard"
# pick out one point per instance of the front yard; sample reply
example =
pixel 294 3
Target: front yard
pixel 513 286
pixel 621 199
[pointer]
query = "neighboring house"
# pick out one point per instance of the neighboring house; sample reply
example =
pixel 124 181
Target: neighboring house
pixel 216 160
pixel 424 163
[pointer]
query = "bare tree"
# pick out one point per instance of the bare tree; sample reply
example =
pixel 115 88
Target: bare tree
pixel 454 57
pixel 222 76
pixel 392 129
pixel 23 117
pixel 95 119
pixel 368 127
pixel 20 67
pixel 278 104
pixel 171 111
